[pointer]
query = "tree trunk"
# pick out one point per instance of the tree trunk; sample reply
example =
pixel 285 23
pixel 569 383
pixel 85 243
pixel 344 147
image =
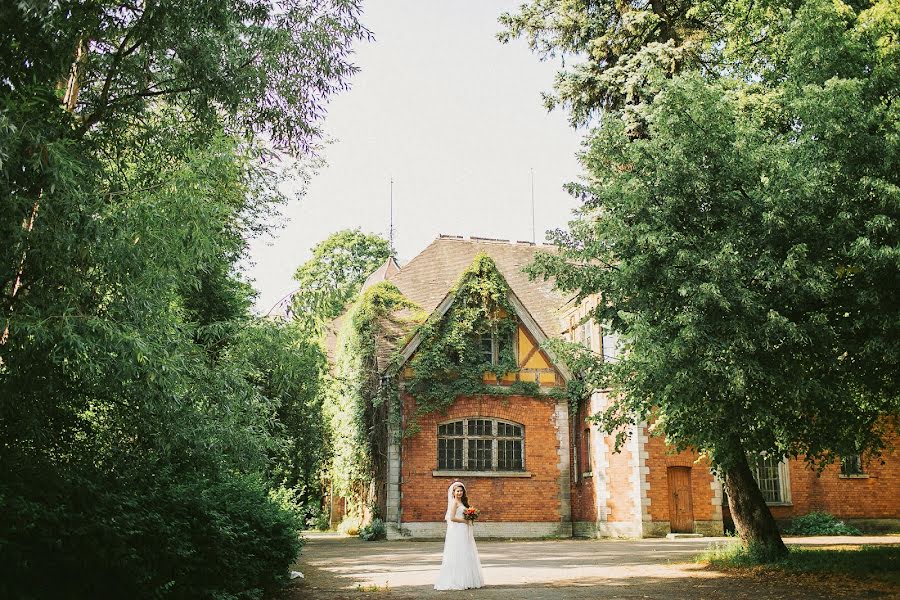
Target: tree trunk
pixel 752 518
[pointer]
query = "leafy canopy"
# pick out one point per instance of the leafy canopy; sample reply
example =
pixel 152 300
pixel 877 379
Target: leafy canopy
pixel 334 274
pixel 739 216
pixel 141 404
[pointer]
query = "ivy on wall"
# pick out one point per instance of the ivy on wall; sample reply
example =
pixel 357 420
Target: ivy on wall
pixel 357 405
pixel 449 361
pixel 362 395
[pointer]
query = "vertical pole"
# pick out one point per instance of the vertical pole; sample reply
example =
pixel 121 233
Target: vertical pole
pixel 391 225
pixel 533 238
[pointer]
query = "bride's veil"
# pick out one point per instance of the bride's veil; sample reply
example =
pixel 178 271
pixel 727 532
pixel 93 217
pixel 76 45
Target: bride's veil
pixel 449 515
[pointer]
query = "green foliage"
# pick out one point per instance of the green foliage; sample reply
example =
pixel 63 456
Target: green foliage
pixel 357 406
pixel 286 367
pixel 449 362
pixel 373 531
pixel 820 523
pixel 740 218
pixel 744 236
pixel 169 535
pixel 335 274
pixel 864 562
pixel 140 403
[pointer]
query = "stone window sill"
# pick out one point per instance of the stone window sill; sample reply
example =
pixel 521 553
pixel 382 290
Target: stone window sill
pixel 481 473
pixel 854 476
pixel 779 503
pixel 586 475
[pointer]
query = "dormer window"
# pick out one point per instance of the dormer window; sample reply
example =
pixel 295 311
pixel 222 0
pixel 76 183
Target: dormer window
pixel 493 345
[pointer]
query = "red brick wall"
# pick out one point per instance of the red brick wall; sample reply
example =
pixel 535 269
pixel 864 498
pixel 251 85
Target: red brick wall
pixel 660 457
pixel 584 498
pixel 537 498
pixel 874 497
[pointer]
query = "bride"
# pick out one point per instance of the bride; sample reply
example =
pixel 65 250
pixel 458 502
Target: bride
pixel 460 567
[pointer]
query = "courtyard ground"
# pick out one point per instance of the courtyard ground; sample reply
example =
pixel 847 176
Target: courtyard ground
pixel 337 567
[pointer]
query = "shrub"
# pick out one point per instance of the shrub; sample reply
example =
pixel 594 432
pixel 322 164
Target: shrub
pixel 85 536
pixel 373 531
pixel 820 523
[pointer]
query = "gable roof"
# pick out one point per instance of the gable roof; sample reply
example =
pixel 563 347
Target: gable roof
pixel 428 277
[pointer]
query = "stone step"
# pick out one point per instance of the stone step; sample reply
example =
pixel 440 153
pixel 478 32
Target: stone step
pixel 683 536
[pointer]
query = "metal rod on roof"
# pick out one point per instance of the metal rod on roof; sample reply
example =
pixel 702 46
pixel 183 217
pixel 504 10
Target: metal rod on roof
pixel 533 239
pixel 391 225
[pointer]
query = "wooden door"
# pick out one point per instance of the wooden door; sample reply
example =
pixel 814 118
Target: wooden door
pixel 681 509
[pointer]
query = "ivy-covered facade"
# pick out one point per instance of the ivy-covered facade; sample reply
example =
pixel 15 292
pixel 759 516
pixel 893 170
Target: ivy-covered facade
pixel 454 367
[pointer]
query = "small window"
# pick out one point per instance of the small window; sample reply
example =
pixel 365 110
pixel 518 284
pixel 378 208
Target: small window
pixel 771 476
pixel 587 461
pixel 493 346
pixel 487 349
pixel 481 445
pixel 852 465
pixel 609 344
pixel 587 334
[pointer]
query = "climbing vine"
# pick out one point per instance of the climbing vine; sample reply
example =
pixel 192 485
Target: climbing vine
pixel 356 405
pixel 449 361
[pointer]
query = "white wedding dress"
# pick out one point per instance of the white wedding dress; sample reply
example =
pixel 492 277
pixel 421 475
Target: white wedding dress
pixel 461 566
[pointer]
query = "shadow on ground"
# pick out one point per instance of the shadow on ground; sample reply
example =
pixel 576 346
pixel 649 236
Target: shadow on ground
pixel 336 568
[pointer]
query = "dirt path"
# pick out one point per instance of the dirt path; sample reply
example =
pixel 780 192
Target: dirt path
pixel 336 568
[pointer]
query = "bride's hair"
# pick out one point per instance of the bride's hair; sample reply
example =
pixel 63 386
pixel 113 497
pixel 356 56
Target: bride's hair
pixel 465 498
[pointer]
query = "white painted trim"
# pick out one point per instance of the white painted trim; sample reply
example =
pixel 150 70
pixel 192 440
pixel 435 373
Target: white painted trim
pixel 413 344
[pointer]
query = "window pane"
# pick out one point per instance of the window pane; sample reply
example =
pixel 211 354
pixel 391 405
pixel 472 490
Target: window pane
pixel 505 345
pixel 851 465
pixel 768 478
pixel 480 456
pixel 455 428
pixel 450 454
pixel 480 427
pixel 509 455
pixel 487 348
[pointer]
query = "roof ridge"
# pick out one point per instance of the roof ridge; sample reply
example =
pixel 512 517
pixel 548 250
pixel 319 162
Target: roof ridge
pixel 490 240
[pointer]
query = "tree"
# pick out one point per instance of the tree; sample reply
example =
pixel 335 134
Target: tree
pixel 334 275
pixel 739 219
pixel 139 416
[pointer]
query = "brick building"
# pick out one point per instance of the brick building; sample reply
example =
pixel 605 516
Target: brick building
pixel 534 469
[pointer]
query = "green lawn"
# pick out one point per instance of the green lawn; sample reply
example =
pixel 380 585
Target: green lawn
pixel 880 562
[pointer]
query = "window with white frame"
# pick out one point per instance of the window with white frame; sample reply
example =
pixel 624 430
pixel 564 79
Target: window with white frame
pixel 771 475
pixel 586 334
pixel 609 342
pixel 478 444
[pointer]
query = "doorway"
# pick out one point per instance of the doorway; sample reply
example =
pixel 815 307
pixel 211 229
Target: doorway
pixel 681 508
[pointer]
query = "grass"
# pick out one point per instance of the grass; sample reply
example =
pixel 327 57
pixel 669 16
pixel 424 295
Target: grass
pixel 373 588
pixel 864 562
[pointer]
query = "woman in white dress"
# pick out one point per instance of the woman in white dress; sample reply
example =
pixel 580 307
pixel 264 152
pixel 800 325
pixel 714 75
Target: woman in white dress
pixel 460 567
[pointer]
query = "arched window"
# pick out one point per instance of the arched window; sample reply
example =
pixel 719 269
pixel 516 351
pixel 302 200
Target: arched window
pixel 478 444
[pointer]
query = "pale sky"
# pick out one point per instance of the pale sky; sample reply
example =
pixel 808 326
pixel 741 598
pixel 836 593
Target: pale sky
pixel 455 118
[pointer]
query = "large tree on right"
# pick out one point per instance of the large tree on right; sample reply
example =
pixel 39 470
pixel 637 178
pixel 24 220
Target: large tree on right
pixel 740 219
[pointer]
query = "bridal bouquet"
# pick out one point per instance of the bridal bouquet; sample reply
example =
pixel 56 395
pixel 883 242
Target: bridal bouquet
pixel 470 514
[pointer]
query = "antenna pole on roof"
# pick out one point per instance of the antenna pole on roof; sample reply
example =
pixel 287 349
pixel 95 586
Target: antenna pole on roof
pixel 391 225
pixel 533 240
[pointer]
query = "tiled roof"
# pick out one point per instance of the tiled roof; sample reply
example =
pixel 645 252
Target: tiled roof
pixel 431 274
pixel 428 277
